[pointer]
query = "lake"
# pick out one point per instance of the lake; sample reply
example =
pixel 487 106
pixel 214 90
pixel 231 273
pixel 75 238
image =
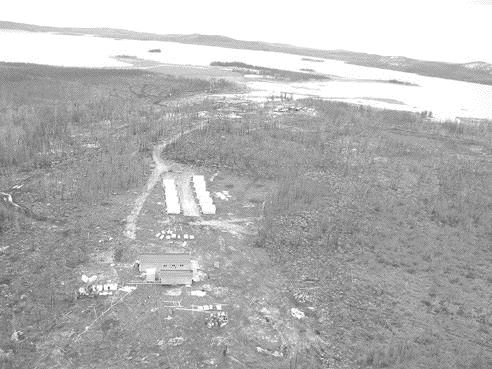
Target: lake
pixel 447 99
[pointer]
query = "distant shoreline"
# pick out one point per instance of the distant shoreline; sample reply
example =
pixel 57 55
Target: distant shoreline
pixel 244 68
pixel 475 72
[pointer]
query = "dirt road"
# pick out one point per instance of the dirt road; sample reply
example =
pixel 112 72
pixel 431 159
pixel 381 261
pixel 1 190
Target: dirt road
pixel 160 168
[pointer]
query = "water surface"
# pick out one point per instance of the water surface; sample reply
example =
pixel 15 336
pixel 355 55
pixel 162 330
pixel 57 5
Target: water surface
pixel 447 99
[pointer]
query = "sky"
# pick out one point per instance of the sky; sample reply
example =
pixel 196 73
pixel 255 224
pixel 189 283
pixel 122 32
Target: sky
pixel 444 30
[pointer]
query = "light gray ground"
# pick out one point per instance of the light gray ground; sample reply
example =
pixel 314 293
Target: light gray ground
pixel 186 196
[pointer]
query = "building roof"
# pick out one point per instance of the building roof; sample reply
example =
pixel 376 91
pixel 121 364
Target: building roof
pixel 175 273
pixel 176 276
pixel 165 258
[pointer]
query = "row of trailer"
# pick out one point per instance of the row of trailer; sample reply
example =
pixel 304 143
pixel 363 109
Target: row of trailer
pixel 204 199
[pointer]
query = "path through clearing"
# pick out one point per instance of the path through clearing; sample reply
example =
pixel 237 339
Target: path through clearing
pixel 160 168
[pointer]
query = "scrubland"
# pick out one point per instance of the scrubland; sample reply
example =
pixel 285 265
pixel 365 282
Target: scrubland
pixel 381 221
pixel 73 144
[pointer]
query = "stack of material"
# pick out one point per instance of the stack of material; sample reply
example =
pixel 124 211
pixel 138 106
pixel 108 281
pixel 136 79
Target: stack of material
pixel 171 235
pixel 204 198
pixel 172 200
pixel 217 319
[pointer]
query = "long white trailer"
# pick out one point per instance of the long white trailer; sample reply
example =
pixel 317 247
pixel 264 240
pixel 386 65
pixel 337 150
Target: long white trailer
pixel 204 199
pixel 172 199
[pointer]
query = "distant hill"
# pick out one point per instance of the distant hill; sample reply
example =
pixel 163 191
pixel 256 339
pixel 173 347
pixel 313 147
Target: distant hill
pixel 479 65
pixel 477 72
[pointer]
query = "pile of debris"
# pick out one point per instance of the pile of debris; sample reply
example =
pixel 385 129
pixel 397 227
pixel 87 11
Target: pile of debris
pixel 102 289
pixel 223 195
pixel 17 336
pixel 293 109
pixel 176 341
pixel 93 290
pixel 217 319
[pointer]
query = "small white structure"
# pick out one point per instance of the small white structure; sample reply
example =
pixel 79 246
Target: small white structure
pixel 86 279
pixel 198 293
pixel 296 313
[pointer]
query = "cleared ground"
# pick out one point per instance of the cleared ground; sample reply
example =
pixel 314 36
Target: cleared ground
pixel 186 195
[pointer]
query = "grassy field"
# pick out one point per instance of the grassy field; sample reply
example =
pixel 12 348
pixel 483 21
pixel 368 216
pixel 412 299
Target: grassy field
pixel 381 221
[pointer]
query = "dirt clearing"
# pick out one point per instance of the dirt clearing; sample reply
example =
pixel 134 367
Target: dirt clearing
pixel 186 196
